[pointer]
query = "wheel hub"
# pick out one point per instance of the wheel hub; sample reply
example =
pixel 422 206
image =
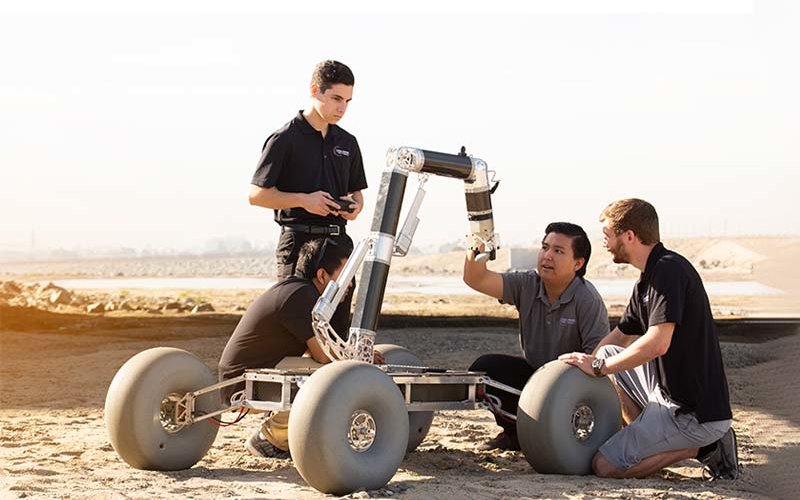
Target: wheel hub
pixel 582 422
pixel 169 413
pixel 362 431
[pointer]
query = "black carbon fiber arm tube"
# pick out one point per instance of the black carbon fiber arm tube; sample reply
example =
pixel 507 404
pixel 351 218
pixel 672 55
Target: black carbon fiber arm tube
pixel 447 165
pixel 479 212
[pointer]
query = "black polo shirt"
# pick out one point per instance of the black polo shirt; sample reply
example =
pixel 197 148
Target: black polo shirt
pixel 277 324
pixel 670 291
pixel 297 159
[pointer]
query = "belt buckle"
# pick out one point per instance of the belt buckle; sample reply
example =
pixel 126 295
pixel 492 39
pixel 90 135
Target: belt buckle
pixel 334 230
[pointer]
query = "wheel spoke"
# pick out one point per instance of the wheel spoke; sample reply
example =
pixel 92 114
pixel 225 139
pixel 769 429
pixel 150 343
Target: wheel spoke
pixel 582 422
pixel 362 431
pixel 169 413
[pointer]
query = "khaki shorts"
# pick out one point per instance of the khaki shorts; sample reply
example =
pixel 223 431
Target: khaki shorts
pixel 661 426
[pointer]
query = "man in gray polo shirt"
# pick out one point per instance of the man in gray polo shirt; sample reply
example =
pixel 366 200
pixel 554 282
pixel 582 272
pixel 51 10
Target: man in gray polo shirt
pixel 559 312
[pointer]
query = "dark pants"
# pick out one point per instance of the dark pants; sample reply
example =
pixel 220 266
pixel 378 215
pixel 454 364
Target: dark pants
pixel 286 254
pixel 509 370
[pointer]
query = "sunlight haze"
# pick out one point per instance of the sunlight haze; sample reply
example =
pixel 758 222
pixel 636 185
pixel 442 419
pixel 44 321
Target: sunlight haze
pixel 141 127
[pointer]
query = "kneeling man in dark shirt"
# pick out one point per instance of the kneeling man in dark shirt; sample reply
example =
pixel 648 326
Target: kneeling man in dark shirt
pixel 663 358
pixel 278 324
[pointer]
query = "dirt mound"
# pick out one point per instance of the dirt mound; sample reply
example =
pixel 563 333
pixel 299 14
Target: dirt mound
pixel 720 256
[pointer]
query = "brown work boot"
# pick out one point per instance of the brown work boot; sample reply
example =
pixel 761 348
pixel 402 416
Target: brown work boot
pixel 503 441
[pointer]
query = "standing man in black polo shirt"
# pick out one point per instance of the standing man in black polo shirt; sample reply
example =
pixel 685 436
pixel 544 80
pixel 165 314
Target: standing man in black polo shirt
pixel 310 166
pixel 312 175
pixel 664 359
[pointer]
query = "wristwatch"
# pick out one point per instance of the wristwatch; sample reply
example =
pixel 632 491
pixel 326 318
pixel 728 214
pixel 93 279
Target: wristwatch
pixel 597 366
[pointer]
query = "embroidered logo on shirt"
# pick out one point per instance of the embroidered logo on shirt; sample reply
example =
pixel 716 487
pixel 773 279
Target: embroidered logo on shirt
pixel 568 321
pixel 337 151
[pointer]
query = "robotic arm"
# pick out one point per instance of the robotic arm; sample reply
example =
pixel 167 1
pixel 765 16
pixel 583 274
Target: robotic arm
pixel 376 251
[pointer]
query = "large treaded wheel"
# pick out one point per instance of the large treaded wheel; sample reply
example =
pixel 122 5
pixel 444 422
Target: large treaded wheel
pixel 419 422
pixel 138 410
pixel 348 428
pixel 563 418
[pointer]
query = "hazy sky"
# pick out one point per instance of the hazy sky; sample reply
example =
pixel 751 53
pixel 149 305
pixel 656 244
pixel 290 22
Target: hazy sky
pixel 141 125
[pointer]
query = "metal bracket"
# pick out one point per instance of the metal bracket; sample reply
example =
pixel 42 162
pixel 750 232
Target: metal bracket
pixel 333 345
pixel 406 234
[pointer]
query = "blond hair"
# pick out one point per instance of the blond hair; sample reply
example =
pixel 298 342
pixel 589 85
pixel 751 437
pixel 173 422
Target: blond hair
pixel 633 214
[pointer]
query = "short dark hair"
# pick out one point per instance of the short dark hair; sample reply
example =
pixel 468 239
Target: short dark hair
pixel 328 73
pixel 633 214
pixel 581 247
pixel 320 253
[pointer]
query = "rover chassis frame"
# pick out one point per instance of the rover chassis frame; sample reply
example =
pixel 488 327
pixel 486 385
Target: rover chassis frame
pixel 269 389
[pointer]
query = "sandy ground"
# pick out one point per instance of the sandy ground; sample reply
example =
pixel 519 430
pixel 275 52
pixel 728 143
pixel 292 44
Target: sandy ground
pixel 55 370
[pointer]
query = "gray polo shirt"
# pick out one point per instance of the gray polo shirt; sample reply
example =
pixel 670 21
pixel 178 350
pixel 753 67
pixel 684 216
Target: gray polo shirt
pixel 575 322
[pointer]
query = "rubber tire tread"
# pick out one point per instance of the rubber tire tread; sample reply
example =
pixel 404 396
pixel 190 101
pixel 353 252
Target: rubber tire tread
pixel 544 418
pixel 320 420
pixel 133 404
pixel 419 422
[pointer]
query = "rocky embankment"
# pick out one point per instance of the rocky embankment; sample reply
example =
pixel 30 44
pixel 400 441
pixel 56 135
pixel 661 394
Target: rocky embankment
pixel 243 265
pixel 49 297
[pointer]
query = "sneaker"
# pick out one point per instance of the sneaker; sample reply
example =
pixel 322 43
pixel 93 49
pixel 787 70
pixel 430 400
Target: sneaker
pixel 503 441
pixel 260 447
pixel 721 459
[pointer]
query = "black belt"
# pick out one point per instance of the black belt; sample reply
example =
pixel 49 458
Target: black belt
pixel 330 230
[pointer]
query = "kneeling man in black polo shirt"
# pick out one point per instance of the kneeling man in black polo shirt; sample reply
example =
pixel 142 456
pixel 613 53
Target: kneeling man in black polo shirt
pixel 559 312
pixel 278 324
pixel 664 359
